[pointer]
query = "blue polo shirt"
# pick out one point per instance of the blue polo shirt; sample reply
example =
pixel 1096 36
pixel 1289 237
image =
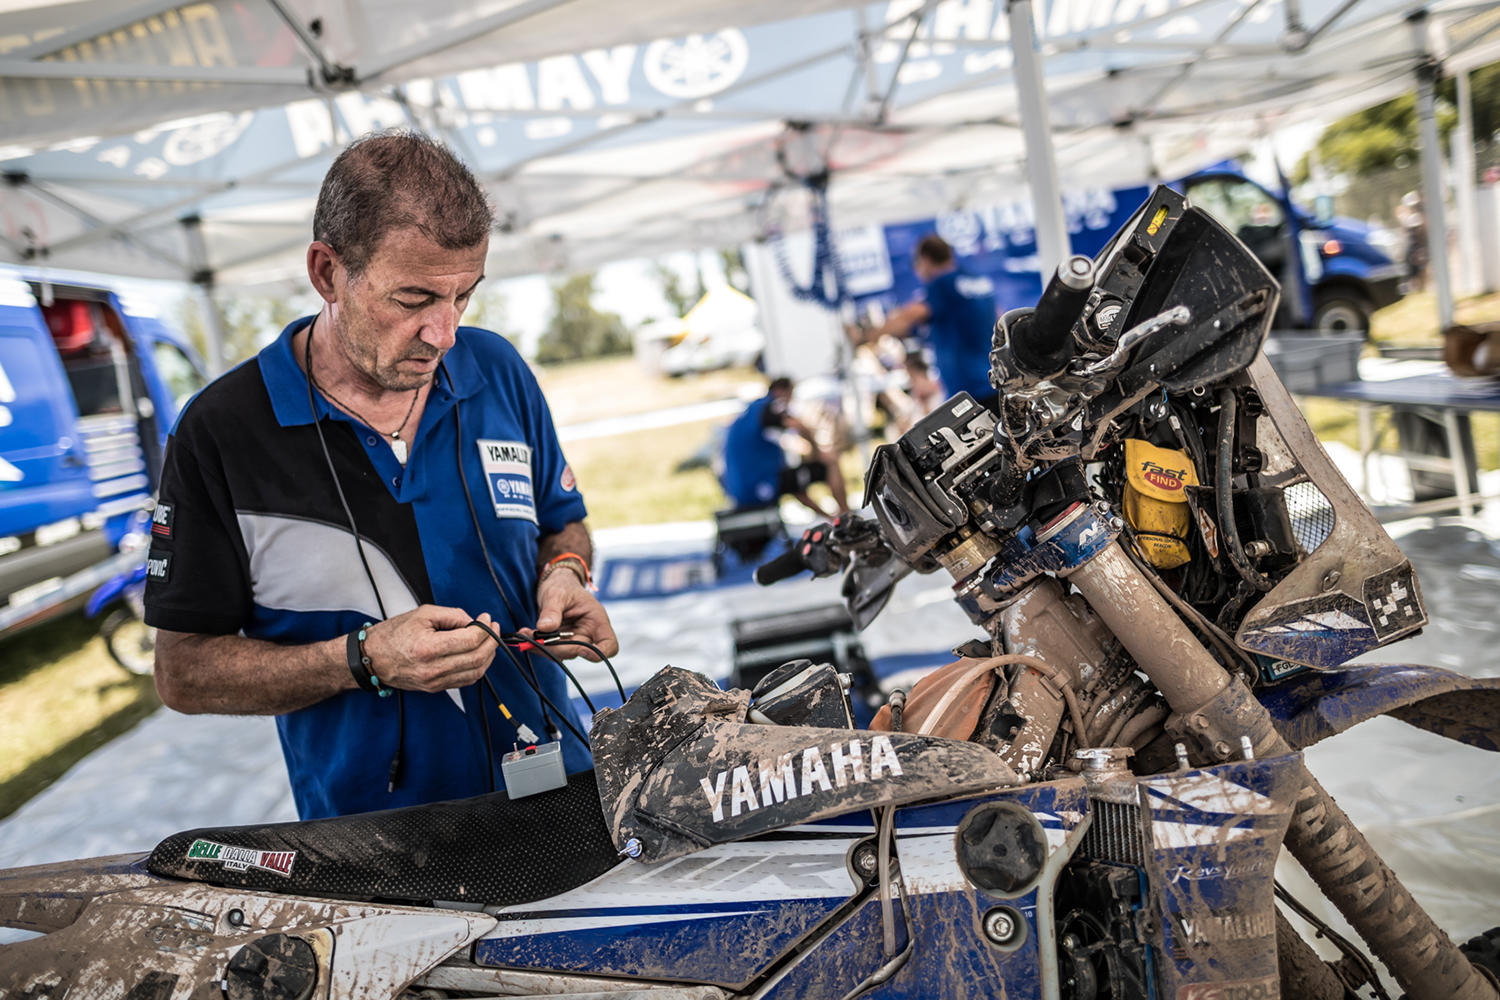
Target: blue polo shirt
pixel 256 541
pixel 753 458
pixel 960 330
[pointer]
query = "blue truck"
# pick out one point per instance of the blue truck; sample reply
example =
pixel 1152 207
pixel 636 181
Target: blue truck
pixel 1334 272
pixel 90 384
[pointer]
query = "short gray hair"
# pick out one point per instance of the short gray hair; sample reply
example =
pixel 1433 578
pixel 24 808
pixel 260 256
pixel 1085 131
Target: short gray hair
pixel 398 179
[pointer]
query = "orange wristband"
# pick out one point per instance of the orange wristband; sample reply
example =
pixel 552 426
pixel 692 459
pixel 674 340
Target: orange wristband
pixel 587 577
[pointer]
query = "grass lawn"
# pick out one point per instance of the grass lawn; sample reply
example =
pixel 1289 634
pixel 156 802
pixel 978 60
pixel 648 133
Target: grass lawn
pixel 633 478
pixel 61 697
pixel 614 387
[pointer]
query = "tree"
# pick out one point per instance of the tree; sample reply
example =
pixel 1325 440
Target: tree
pixel 578 329
pixel 251 320
pixel 1385 135
pixel 735 272
pixel 674 290
pixel 490 310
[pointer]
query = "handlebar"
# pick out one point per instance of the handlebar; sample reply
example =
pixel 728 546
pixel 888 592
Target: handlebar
pixel 788 564
pixel 1042 343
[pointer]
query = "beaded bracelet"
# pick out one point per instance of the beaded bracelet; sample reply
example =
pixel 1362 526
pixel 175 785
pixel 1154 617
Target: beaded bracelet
pixel 359 663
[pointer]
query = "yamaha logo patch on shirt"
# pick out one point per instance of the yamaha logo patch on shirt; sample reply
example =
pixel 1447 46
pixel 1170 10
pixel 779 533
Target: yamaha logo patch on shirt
pixel 507 470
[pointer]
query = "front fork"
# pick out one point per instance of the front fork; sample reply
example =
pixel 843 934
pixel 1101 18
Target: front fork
pixel 1213 710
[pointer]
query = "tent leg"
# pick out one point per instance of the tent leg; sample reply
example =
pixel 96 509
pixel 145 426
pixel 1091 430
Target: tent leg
pixel 1432 175
pixel 1041 163
pixel 1464 207
pixel 215 330
pixel 218 333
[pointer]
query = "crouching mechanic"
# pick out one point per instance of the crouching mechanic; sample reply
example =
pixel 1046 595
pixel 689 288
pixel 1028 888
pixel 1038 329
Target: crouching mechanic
pixel 756 472
pixel 377 471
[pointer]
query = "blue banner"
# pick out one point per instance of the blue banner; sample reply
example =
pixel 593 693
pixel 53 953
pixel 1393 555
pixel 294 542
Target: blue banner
pixel 997 241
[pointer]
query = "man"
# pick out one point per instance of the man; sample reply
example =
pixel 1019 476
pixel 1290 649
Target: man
pixel 378 463
pixel 959 312
pixel 756 472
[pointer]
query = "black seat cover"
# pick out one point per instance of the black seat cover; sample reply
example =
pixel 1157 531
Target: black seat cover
pixel 488 849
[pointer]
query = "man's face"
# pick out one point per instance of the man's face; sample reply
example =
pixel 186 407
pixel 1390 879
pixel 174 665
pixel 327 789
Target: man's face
pixel 397 319
pixel 923 268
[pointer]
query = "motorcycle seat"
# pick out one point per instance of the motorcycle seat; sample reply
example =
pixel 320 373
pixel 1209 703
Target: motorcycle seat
pixel 488 850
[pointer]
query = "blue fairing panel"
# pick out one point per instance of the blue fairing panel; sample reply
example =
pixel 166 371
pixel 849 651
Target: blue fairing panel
pixel 1317 704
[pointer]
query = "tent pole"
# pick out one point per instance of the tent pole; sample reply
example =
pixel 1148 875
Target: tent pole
pixel 216 333
pixel 1432 173
pixel 1041 163
pixel 1462 158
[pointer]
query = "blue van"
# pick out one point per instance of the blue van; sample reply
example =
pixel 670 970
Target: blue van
pixel 1334 272
pixel 90 384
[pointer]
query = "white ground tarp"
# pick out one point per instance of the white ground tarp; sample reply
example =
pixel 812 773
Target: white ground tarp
pixel 606 130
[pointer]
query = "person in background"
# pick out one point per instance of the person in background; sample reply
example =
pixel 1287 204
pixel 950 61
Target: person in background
pixel 956 312
pixel 756 472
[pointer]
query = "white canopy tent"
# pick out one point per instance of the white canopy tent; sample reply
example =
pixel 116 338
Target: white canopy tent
pixel 187 141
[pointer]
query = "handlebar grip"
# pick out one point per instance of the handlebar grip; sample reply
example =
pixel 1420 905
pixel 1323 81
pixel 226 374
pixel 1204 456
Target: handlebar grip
pixel 1043 344
pixel 788 564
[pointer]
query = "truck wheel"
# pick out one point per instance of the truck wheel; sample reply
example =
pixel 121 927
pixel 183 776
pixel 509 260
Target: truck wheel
pixel 131 642
pixel 1342 312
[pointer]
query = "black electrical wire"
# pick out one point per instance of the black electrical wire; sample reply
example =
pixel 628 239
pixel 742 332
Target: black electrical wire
pixel 489 565
pixel 484 723
pixel 393 774
pixel 1223 490
pixel 521 640
pixel 536 689
pixel 615 674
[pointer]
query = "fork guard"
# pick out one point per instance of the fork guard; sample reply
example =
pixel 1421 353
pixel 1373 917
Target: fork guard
pixel 1317 704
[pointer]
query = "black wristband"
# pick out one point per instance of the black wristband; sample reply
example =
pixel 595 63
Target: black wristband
pixel 359 663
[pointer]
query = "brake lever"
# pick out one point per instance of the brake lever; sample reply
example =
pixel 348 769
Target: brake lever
pixel 1115 362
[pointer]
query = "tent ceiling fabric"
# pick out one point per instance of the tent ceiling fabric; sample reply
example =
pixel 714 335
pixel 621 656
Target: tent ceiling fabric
pixel 607 130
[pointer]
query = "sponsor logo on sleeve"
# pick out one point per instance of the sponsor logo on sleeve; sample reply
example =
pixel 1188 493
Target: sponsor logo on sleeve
pixel 161 520
pixel 159 566
pixel 507 472
pixel 238 859
pixel 568 482
pixel 794 775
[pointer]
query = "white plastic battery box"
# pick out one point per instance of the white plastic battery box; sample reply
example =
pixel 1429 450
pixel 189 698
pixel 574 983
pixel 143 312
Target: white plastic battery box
pixel 533 769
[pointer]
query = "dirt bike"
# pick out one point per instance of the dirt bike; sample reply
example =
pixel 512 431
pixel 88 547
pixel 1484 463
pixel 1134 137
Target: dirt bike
pixel 129 640
pixel 1168 574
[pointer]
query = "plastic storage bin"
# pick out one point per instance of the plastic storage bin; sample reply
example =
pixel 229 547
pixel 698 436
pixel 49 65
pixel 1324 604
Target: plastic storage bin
pixel 1306 361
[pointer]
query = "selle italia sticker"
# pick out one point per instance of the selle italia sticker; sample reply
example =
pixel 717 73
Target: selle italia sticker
pixel 507 471
pixel 238 859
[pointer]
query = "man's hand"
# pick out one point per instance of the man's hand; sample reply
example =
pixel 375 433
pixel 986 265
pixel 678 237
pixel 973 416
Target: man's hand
pixel 564 602
pixel 429 648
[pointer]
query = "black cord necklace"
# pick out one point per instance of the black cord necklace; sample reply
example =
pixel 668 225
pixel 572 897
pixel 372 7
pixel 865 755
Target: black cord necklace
pixel 398 446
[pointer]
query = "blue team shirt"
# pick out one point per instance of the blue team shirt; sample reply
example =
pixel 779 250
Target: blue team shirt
pixel 960 330
pixel 753 458
pixel 291 572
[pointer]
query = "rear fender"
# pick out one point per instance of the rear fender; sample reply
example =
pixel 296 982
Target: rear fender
pixel 176 939
pixel 1317 704
pixel 50 897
